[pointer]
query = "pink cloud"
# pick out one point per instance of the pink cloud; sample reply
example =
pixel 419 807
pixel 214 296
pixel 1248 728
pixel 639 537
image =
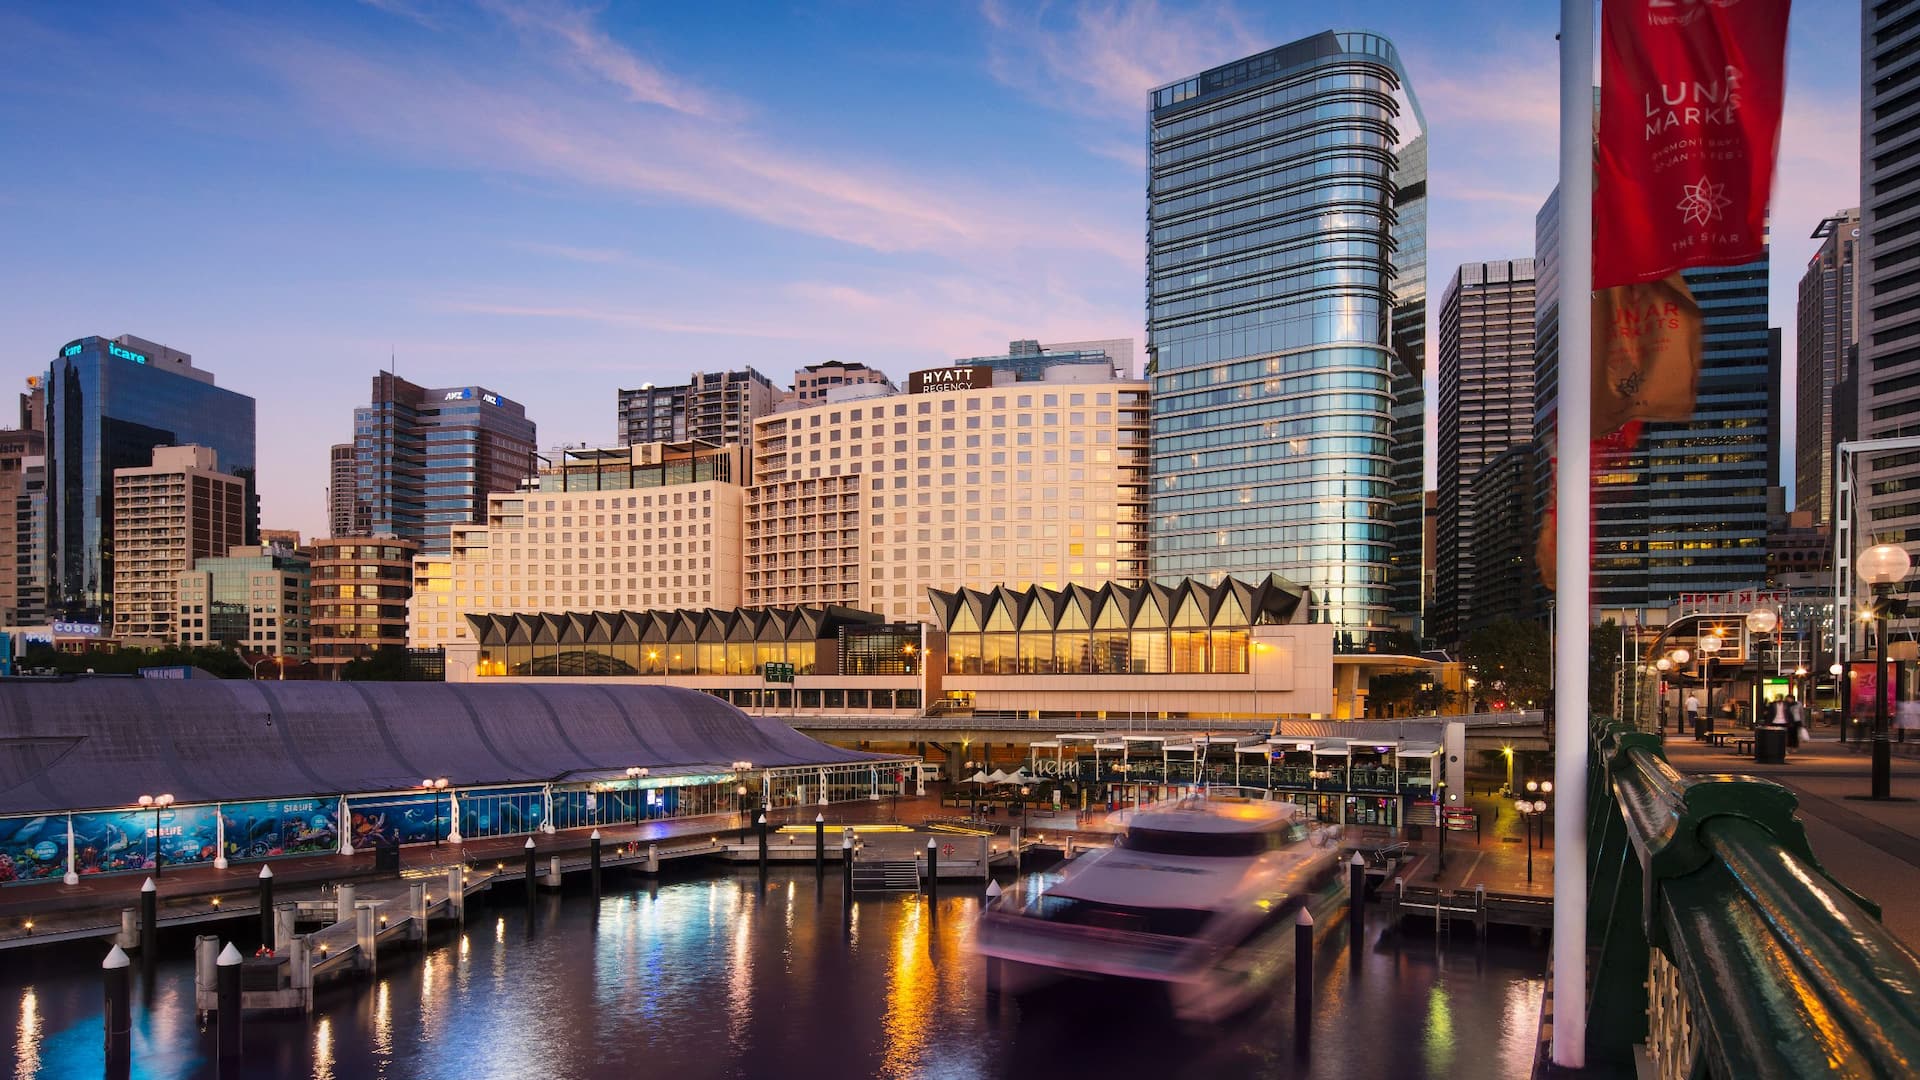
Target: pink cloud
pixel 1109 55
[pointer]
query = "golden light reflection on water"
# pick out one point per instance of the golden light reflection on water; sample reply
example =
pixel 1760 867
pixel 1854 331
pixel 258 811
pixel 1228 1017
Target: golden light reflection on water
pixel 383 1021
pixel 1440 1042
pixel 739 970
pixel 26 1044
pixel 911 988
pixel 323 1049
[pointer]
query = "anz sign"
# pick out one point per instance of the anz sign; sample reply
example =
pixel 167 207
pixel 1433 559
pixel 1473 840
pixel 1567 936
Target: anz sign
pixel 466 393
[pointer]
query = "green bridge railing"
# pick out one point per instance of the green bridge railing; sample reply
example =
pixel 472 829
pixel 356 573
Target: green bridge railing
pixel 1718 940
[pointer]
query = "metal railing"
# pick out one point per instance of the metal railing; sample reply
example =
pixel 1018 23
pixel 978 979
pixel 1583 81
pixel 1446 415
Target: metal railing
pixel 1723 945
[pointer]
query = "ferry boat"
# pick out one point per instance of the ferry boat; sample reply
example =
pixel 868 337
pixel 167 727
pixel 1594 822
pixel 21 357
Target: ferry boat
pixel 1195 898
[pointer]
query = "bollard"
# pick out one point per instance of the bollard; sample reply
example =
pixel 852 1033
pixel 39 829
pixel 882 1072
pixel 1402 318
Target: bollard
pixel 118 1016
pixel 286 919
pixel 457 893
pixel 653 858
pixel 417 909
pixel 300 970
pixel 1069 849
pixel 593 862
pixel 344 903
pixel 553 871
pixel 1302 981
pixel 206 950
pixel 1356 905
pixel 149 920
pixel 532 876
pixel 129 929
pixel 933 867
pixel 229 1019
pixel 820 846
pixel 762 825
pixel 846 869
pixel 267 925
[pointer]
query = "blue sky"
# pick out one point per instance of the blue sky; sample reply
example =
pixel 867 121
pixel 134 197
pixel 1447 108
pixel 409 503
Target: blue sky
pixel 556 200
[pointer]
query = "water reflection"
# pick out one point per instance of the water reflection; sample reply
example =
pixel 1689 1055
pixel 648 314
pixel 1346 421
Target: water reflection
pixel 723 978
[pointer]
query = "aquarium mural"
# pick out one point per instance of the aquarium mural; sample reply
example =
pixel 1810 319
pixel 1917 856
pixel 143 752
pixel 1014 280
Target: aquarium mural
pixel 105 841
pixel 502 811
pixel 264 830
pixel 383 820
pixel 33 848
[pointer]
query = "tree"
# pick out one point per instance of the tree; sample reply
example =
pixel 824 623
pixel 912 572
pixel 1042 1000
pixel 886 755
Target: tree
pixel 388 663
pixel 225 663
pixel 1509 663
pixel 1603 661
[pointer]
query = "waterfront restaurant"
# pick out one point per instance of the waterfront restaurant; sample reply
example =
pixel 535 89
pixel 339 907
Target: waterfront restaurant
pixel 260 770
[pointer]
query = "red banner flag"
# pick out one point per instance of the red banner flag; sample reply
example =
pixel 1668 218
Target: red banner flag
pixel 1690 100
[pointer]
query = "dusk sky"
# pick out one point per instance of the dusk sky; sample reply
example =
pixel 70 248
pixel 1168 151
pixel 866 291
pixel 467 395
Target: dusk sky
pixel 555 201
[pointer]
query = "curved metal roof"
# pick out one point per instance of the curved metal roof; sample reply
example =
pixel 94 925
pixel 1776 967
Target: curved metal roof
pixel 67 745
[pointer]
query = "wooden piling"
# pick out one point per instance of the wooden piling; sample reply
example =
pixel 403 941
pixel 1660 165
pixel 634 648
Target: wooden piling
pixel 268 927
pixel 227 979
pixel 117 1018
pixel 1302 981
pixel 593 862
pixel 1356 905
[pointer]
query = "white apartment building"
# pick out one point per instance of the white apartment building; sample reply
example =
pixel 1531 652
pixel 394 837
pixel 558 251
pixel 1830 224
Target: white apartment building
pixel 648 526
pixel 870 503
pixel 165 516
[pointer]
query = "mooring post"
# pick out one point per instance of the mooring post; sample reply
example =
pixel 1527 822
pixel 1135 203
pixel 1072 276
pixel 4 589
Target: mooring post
pixel 593 862
pixel 417 909
pixel 846 868
pixel 117 973
pixel 286 918
pixel 206 950
pixel 653 858
pixel 933 867
pixel 267 935
pixel 149 921
pixel 533 868
pixel 129 929
pixel 365 935
pixel 762 825
pixel 1302 980
pixel 457 893
pixel 344 902
pixel 553 871
pixel 300 969
pixel 1356 905
pixel 229 1019
pixel 820 846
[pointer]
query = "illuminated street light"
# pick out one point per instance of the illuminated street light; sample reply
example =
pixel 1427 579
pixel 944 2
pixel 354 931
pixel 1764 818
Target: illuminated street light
pixel 156 803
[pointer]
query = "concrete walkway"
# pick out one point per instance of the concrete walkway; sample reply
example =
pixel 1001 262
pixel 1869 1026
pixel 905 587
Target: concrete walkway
pixel 1871 847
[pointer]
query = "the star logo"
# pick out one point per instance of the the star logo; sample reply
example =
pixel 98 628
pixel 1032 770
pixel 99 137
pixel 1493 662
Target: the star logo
pixel 1704 202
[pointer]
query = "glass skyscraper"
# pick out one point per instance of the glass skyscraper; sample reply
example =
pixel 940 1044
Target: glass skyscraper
pixel 1286 305
pixel 426 459
pixel 110 401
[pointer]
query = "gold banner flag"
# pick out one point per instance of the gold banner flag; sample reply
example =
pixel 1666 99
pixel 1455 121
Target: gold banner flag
pixel 1646 353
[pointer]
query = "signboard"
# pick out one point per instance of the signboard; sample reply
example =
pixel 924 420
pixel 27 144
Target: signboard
pixel 1737 602
pixel 77 629
pixel 947 379
pixel 173 671
pixel 777 673
pixel 1861 702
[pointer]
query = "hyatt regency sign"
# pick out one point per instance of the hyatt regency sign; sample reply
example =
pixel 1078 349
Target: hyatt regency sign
pixel 942 380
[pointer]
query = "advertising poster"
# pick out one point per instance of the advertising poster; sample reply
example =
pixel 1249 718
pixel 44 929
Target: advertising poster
pixel 33 848
pixel 385 820
pixel 106 841
pixel 263 830
pixel 1862 698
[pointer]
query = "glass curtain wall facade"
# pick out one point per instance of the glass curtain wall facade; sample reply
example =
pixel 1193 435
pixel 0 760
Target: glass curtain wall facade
pixel 109 403
pixel 1274 243
pixel 426 459
pixel 1409 575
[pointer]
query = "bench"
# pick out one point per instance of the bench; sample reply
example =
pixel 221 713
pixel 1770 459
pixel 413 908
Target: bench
pixel 1719 738
pixel 1744 746
pixel 1390 853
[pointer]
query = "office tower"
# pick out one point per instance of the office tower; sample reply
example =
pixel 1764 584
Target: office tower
pixel 1685 508
pixel 346 514
pixel 109 403
pixel 835 380
pixel 359 592
pixel 1283 225
pixel 652 414
pixel 1030 361
pixel 22 455
pixel 281 539
pixel 166 515
pixel 1506 580
pixel 638 527
pixel 252 598
pixel 1408 575
pixel 1486 406
pixel 429 457
pixel 969 482
pixel 1825 332
pixel 1887 374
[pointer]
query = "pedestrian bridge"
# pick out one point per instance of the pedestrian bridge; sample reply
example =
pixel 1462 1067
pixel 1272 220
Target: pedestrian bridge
pixel 1720 947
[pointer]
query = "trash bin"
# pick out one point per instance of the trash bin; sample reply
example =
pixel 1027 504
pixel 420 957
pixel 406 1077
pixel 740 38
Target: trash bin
pixel 386 858
pixel 1769 745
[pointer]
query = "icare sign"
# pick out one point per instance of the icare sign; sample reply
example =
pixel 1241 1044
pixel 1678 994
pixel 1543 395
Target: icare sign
pixel 947 379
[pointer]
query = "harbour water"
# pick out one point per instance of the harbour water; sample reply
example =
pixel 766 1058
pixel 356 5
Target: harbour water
pixel 733 976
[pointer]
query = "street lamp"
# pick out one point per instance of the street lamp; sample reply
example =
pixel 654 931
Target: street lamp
pixel 1881 567
pixel 1530 809
pixel 1709 645
pixel 436 786
pixel 1440 790
pixel 1663 665
pixel 156 803
pixel 636 774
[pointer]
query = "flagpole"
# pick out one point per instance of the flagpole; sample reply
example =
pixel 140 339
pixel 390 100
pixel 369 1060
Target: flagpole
pixel 1573 539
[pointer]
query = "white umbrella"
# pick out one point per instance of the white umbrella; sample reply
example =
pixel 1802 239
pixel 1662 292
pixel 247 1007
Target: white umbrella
pixel 997 777
pixel 980 778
